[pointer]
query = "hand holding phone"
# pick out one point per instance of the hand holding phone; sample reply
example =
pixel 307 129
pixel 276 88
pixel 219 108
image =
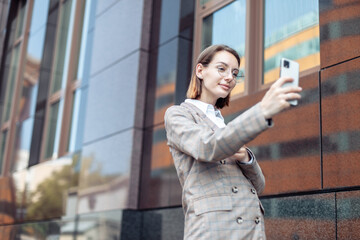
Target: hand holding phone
pixel 273 101
pixel 290 68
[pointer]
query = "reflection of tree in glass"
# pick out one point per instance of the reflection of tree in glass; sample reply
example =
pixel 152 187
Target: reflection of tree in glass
pixel 40 231
pixel 47 201
pixel 92 174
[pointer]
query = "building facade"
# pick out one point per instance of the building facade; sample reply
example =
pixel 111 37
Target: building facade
pixel 84 85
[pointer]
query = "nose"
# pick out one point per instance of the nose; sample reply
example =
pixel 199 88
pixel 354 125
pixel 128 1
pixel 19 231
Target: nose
pixel 228 76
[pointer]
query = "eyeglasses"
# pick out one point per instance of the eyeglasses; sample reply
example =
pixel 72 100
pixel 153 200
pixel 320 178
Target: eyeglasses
pixel 238 76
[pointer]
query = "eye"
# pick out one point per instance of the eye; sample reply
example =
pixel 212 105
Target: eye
pixel 235 74
pixel 221 69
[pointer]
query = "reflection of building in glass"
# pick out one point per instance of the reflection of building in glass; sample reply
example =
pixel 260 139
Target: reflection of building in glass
pixel 84 86
pixel 290 32
pixel 25 113
pixel 227 26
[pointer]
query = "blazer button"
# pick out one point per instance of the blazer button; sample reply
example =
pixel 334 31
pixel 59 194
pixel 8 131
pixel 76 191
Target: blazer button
pixel 222 161
pixel 239 220
pixel 235 189
pixel 253 190
pixel 257 220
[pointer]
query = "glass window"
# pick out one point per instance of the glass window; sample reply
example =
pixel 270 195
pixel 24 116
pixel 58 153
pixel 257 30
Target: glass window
pixel 22 145
pixel 27 103
pixel 78 97
pixel 53 130
pixel 171 12
pixel 63 115
pixel 203 2
pixel 80 46
pixel 33 59
pixel 84 44
pixel 11 78
pixel 166 75
pixel 28 99
pixel 227 26
pixel 15 29
pixel 2 148
pixel 61 46
pixel 39 15
pixel 74 121
pixel 20 22
pixel 290 32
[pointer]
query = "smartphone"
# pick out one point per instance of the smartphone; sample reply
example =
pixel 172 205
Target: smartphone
pixel 290 68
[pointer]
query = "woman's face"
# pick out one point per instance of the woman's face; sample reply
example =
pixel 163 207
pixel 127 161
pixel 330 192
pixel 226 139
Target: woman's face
pixel 218 77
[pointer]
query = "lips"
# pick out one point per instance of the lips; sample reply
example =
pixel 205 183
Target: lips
pixel 225 87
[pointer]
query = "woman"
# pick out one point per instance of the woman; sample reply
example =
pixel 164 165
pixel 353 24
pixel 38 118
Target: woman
pixel 220 177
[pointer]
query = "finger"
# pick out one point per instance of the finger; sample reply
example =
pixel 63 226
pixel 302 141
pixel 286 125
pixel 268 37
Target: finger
pixel 282 80
pixel 242 150
pixel 239 156
pixel 291 89
pixel 284 104
pixel 292 96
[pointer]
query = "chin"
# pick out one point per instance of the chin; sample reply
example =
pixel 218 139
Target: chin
pixel 223 95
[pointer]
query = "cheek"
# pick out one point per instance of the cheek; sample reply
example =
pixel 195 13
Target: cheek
pixel 211 82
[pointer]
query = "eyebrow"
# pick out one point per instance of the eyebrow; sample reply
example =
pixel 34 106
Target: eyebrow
pixel 227 65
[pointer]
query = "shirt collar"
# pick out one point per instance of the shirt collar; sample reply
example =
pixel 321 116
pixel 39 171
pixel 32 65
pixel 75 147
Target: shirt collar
pixel 205 107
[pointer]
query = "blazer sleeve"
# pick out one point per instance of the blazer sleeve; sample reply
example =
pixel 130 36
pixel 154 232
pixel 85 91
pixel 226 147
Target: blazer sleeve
pixel 204 144
pixel 253 173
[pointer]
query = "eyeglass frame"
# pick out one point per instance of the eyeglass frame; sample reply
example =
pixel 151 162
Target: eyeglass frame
pixel 239 77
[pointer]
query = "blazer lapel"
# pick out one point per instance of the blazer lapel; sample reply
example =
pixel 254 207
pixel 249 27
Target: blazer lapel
pixel 194 110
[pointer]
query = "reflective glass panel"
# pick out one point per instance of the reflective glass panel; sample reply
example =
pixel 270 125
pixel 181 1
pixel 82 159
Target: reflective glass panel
pixel 53 130
pixel 50 189
pixel 85 48
pixel 20 22
pixel 32 70
pixel 290 31
pixel 104 225
pixel 169 26
pixel 39 15
pixel 74 124
pixel 27 102
pixel 61 46
pixel 203 2
pixel 22 144
pixel 11 78
pixel 80 49
pixel 104 179
pixel 2 148
pixel 158 189
pixel 165 79
pixel 16 23
pixel 39 230
pixel 227 26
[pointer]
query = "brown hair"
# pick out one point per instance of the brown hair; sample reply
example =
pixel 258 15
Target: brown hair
pixel 205 57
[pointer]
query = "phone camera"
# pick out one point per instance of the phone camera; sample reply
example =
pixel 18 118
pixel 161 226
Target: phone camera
pixel 286 64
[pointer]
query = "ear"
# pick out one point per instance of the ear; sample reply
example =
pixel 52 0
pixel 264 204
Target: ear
pixel 199 70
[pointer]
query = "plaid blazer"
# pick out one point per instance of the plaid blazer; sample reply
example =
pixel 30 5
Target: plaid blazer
pixel 220 196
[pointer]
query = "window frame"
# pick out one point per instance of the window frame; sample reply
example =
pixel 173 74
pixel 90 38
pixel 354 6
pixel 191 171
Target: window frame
pixel 254 48
pixel 10 124
pixel 65 94
pixel 264 86
pixel 71 86
pixel 254 42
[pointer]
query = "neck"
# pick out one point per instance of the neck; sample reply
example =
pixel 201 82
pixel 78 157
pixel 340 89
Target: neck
pixel 207 100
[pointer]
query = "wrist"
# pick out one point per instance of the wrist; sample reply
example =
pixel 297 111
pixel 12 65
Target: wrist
pixel 264 111
pixel 247 158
